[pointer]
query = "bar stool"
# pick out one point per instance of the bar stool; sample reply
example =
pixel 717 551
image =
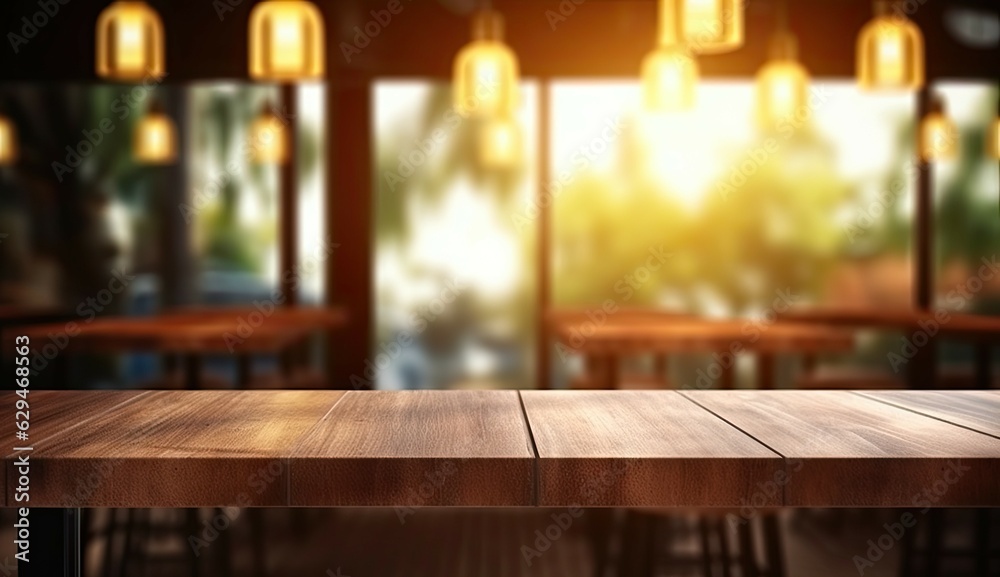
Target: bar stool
pixel 647 539
pixel 137 529
pixel 927 551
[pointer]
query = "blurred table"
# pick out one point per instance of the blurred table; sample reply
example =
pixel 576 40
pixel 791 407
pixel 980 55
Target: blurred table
pixel 412 449
pixel 12 315
pixel 189 335
pixel 604 340
pixel 982 331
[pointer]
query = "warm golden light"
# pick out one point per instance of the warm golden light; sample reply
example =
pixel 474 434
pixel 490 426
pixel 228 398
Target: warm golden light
pixel 130 42
pixel 782 85
pixel 890 52
pixel 499 144
pixel 287 41
pixel 938 135
pixel 486 72
pixel 994 136
pixel 269 139
pixel 706 26
pixel 8 142
pixel 155 138
pixel 669 79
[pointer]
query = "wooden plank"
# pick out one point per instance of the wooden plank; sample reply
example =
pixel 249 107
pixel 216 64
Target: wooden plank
pixel 417 448
pixel 643 448
pixel 845 450
pixel 196 448
pixel 977 410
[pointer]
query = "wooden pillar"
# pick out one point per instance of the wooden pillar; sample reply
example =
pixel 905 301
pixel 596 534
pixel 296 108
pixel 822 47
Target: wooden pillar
pixel 171 184
pixel 542 348
pixel 923 240
pixel 923 367
pixel 288 242
pixel 349 202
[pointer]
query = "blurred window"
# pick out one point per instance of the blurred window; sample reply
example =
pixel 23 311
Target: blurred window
pixel 454 263
pixel 233 204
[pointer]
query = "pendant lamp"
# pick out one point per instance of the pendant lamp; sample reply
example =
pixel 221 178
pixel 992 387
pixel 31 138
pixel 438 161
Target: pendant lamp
pixel 500 144
pixel 269 138
pixel 783 83
pixel 287 41
pixel 705 26
pixel 130 42
pixel 938 134
pixel 890 51
pixel 486 71
pixel 670 71
pixel 155 141
pixel 8 141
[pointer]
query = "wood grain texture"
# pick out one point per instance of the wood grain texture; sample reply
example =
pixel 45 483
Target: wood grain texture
pixel 417 448
pixel 56 412
pixel 846 450
pixel 199 448
pixel 52 413
pixel 977 410
pixel 504 448
pixel 643 448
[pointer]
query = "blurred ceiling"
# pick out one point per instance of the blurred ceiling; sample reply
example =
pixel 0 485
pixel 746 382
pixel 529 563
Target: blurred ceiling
pixel 207 39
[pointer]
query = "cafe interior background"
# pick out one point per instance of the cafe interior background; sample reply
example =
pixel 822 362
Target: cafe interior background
pixel 449 172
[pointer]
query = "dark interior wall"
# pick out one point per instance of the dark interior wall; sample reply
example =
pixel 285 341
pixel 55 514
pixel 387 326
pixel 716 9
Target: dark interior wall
pixel 207 39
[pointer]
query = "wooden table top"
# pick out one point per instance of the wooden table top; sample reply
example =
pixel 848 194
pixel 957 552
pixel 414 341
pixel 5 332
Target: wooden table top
pixel 411 449
pixel 677 334
pixel 947 322
pixel 315 318
pixel 243 330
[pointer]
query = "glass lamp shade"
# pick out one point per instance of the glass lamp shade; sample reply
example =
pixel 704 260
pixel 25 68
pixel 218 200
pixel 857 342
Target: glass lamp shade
pixel 938 135
pixel 669 79
pixel 269 139
pixel 890 52
pixel 155 139
pixel 782 92
pixel 130 42
pixel 782 86
pixel 8 142
pixel 486 72
pixel 706 26
pixel 994 135
pixel 499 144
pixel 286 41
